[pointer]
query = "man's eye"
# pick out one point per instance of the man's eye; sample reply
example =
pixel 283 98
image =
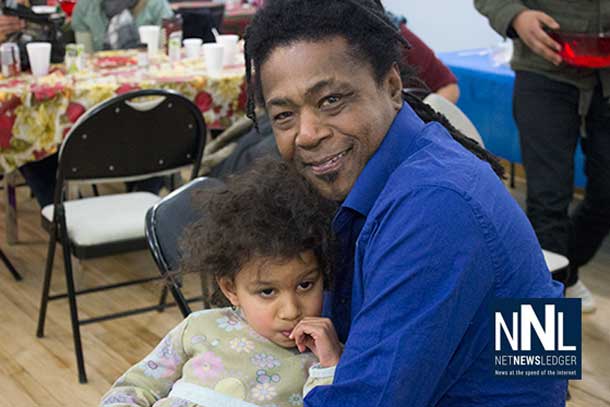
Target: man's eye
pixel 330 100
pixel 282 116
pixel 267 292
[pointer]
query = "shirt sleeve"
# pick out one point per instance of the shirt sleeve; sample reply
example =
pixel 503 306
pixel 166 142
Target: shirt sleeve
pixel 318 376
pixel 426 273
pixel 78 17
pixel 430 69
pixel 160 9
pixel 501 14
pixel 152 378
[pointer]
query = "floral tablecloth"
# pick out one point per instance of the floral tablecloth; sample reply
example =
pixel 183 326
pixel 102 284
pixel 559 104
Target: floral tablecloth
pixel 36 114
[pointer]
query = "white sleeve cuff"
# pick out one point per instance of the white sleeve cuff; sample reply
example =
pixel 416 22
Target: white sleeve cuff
pixel 318 372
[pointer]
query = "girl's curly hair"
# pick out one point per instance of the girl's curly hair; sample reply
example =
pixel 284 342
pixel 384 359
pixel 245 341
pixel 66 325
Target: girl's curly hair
pixel 269 212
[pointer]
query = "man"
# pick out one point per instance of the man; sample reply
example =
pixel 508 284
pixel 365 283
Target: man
pixel 430 235
pixel 554 103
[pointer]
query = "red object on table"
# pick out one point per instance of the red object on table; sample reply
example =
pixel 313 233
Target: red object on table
pixel 583 49
pixel 67 6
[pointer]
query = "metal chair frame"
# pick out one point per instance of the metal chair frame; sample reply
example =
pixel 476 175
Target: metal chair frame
pixel 165 223
pixel 101 148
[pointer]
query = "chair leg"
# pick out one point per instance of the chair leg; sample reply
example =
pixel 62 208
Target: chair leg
pixel 46 285
pixel 163 299
pixel 10 266
pixel 78 348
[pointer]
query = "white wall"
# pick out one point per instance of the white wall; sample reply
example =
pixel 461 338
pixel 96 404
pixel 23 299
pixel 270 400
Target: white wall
pixel 446 25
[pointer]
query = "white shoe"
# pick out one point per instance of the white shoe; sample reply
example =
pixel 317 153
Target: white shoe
pixel 579 290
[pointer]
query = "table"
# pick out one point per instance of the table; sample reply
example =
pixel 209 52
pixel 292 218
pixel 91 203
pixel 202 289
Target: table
pixel 36 114
pixel 486 93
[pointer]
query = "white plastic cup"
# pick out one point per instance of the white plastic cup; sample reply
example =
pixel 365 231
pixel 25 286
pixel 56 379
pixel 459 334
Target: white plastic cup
pixel 230 44
pixel 212 56
pixel 192 47
pixel 39 55
pixel 149 35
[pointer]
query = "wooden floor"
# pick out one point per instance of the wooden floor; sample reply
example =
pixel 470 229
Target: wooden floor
pixel 42 372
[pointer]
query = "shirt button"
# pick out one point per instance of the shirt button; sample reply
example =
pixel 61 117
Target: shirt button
pixel 343 301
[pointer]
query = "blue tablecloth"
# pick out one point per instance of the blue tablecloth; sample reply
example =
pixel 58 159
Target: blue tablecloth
pixel 486 97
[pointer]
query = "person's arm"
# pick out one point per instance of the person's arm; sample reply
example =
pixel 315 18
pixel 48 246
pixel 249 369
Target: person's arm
pixel 152 378
pixel 427 272
pixel 513 19
pixel 436 75
pixel 450 92
pixel 318 335
pixel 82 32
pixel 160 9
pixel 9 25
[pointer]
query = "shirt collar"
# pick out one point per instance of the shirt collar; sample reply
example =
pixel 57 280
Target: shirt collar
pixel 392 151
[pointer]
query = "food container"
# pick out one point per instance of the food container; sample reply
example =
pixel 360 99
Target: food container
pixel 10 60
pixel 591 50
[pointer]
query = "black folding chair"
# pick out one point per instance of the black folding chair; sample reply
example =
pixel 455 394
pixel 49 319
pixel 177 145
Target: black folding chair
pixel 10 266
pixel 198 22
pixel 130 137
pixel 165 223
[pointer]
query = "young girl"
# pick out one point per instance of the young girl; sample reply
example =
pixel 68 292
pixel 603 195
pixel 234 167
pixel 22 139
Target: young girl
pixel 266 240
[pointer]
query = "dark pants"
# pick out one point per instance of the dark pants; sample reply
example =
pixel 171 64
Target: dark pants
pixel 547 117
pixel 41 178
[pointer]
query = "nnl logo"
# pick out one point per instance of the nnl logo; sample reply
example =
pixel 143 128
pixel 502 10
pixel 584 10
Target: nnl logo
pixel 553 328
pixel 537 337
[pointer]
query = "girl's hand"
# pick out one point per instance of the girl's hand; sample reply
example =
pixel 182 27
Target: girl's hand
pixel 319 335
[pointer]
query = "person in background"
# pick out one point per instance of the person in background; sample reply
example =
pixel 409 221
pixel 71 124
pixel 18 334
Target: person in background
pixel 555 105
pixel 437 77
pixel 9 25
pixel 112 24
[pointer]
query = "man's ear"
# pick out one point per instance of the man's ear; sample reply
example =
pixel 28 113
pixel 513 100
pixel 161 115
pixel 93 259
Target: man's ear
pixel 393 83
pixel 228 289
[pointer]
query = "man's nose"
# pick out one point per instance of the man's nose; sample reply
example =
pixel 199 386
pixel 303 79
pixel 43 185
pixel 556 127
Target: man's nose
pixel 311 130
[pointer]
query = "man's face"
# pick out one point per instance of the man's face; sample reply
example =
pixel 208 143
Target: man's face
pixel 328 113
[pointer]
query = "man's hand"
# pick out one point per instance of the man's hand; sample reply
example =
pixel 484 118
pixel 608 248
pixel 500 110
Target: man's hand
pixel 529 25
pixel 9 24
pixel 319 335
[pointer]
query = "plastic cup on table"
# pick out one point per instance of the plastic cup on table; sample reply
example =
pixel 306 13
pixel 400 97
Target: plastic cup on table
pixel 39 55
pixel 229 41
pixel 149 35
pixel 213 58
pixel 192 46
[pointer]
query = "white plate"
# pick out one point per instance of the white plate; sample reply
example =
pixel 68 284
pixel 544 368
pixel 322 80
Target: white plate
pixel 44 9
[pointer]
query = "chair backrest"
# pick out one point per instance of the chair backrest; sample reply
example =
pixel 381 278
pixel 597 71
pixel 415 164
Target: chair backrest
pixel 455 116
pixel 198 22
pixel 131 135
pixel 165 223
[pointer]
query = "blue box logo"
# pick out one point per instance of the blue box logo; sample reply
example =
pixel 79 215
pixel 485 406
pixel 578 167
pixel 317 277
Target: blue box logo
pixel 537 337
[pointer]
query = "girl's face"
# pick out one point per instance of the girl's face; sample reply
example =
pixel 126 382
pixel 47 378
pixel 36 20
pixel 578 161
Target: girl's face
pixel 275 295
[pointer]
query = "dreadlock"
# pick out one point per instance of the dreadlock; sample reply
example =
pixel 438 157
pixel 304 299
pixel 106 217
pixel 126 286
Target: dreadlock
pixel 371 35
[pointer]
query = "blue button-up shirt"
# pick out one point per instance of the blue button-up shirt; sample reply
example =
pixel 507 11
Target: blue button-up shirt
pixel 431 237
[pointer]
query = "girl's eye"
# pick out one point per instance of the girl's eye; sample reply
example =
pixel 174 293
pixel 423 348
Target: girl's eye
pixel 267 292
pixel 305 285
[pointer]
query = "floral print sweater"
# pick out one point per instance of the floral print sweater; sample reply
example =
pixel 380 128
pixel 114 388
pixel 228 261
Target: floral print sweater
pixel 215 359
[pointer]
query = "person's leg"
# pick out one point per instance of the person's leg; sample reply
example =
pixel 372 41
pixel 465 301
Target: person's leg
pixel 546 113
pixel 40 177
pixel 591 218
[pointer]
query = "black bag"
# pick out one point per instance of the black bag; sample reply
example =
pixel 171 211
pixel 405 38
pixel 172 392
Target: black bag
pixel 39 27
